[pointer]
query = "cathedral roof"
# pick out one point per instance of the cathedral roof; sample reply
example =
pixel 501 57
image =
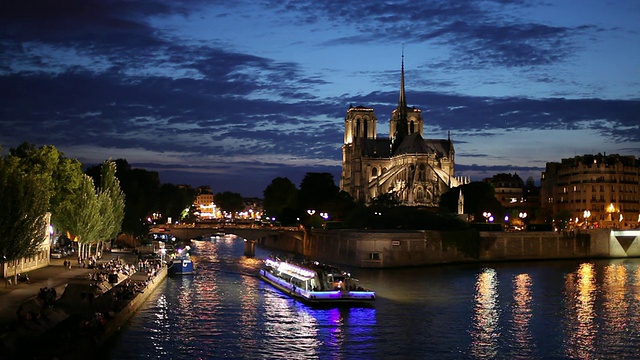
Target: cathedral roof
pixel 376 148
pixel 412 144
pixel 441 147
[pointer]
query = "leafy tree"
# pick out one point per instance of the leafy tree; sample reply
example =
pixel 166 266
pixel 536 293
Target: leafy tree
pixel 479 197
pixel 83 221
pixel 62 176
pixel 173 200
pixel 229 201
pixel 23 211
pixel 111 202
pixel 317 190
pixel 281 198
pixel 141 189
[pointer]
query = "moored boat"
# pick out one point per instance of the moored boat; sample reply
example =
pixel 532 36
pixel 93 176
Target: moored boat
pixel 314 283
pixel 181 263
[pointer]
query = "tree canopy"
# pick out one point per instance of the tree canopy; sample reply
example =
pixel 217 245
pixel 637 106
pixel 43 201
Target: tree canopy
pixel 230 202
pixel 23 210
pixel 479 197
pixel 281 199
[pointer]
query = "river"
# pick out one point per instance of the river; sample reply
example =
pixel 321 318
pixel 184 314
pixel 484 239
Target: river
pixel 573 309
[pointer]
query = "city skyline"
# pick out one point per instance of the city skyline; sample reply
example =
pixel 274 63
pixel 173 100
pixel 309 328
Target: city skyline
pixel 232 95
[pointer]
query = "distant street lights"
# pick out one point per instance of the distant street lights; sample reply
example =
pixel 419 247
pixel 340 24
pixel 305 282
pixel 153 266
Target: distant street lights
pixel 586 214
pixel 488 216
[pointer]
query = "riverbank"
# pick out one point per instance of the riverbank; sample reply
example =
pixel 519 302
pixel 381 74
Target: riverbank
pixel 70 313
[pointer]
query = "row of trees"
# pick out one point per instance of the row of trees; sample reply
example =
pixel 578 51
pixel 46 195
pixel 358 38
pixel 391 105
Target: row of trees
pixel 41 185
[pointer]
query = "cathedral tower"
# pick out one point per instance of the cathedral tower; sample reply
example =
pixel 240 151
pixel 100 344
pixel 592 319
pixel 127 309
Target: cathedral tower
pixel 404 120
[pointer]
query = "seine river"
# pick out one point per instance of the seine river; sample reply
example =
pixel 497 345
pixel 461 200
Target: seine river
pixel 526 310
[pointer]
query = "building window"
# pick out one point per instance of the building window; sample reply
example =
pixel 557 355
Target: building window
pixel 374 256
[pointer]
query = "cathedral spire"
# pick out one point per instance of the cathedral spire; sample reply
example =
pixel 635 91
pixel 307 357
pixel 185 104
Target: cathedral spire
pixel 402 101
pixel 401 126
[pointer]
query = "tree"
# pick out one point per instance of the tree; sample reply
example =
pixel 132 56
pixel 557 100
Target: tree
pixel 317 190
pixel 229 202
pixel 23 211
pixel 111 202
pixel 141 189
pixel 61 175
pixel 173 200
pixel 83 220
pixel 479 197
pixel 281 199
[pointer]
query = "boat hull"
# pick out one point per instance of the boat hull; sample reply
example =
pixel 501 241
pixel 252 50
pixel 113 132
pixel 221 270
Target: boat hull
pixel 181 267
pixel 332 298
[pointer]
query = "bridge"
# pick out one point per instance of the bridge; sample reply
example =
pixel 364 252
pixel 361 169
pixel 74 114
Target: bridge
pixel 286 238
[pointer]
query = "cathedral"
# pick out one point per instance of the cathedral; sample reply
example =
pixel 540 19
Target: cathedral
pixel 406 167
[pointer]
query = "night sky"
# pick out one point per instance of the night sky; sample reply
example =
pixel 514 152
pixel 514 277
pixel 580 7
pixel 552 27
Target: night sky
pixel 232 94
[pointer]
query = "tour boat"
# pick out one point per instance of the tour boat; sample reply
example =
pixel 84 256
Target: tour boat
pixel 314 283
pixel 181 263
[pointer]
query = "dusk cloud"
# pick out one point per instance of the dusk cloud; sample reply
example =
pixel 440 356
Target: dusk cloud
pixel 233 94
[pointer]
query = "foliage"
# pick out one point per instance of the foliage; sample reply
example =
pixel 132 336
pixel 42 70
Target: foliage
pixel 479 197
pixel 83 218
pixel 317 190
pixel 173 200
pixel 141 190
pixel 23 208
pixel 280 197
pixel 402 217
pixel 229 201
pixel 112 201
pixel 62 175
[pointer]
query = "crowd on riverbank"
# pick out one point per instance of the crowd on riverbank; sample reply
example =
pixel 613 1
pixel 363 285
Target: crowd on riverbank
pixel 74 309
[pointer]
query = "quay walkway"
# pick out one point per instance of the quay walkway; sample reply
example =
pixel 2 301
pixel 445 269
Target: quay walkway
pixel 77 323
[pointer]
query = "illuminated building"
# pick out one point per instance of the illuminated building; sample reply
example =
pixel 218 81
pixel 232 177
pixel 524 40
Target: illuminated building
pixel 597 190
pixel 508 188
pixel 413 170
pixel 204 204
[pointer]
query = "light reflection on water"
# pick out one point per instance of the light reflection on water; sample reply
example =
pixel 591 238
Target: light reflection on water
pixel 486 320
pixel 562 310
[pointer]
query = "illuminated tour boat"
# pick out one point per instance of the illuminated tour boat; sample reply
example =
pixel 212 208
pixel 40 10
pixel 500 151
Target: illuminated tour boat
pixel 314 283
pixel 181 263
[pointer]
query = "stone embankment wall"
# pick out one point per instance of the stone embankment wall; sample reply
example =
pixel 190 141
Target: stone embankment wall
pixel 384 249
pixel 121 318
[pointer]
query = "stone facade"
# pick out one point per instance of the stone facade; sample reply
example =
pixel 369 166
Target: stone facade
pixel 597 190
pixel 405 167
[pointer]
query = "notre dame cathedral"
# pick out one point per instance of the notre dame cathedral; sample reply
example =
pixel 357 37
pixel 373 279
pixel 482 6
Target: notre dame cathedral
pixel 410 169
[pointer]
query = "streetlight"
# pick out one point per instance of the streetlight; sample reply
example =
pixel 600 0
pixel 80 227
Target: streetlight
pixel 586 214
pixel 311 212
pixel 488 217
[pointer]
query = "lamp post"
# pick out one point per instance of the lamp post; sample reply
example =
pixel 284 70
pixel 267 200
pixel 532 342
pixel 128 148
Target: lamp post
pixel 488 217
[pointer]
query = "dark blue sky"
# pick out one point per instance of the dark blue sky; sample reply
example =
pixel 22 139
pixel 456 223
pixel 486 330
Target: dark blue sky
pixel 232 94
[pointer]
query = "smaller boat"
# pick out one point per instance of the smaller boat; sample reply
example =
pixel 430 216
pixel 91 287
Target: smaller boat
pixel 314 283
pixel 181 263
